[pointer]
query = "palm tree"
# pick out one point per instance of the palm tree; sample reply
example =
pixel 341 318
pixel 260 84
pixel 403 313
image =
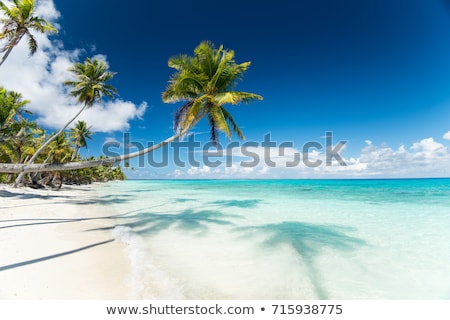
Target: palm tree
pixel 205 82
pixel 11 105
pixel 91 80
pixel 89 87
pixel 58 151
pixel 79 134
pixel 19 22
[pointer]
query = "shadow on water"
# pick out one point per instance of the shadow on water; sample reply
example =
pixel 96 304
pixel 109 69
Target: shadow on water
pixel 183 200
pixel 308 240
pixel 107 199
pixel 238 203
pixel 146 223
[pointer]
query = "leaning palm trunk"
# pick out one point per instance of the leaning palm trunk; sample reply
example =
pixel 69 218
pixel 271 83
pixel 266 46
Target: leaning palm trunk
pixel 10 46
pixel 36 154
pixel 30 167
pixel 6 55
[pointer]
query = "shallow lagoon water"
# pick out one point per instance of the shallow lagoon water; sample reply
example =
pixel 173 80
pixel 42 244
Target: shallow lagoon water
pixel 285 239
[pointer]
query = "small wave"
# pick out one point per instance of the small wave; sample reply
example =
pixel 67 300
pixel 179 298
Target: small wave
pixel 147 280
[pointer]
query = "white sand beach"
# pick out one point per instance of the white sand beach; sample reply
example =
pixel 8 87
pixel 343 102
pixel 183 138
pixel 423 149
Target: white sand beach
pixel 48 249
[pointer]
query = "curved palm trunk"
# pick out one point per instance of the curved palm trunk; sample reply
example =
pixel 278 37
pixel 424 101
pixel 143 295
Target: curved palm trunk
pixel 35 155
pixel 29 167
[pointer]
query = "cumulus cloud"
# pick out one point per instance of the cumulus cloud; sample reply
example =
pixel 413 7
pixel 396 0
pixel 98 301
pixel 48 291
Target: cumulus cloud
pixel 40 79
pixel 447 136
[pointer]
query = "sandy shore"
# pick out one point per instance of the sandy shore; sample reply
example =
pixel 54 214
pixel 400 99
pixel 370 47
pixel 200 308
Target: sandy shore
pixel 49 250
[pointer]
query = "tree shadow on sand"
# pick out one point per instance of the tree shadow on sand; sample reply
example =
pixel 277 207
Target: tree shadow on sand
pixel 308 240
pixel 58 198
pixel 53 256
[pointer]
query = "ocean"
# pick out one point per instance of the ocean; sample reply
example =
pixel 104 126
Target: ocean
pixel 284 239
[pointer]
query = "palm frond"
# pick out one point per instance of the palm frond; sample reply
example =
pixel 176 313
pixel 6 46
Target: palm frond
pixel 236 97
pixel 32 44
pixel 181 114
pixel 192 115
pixel 180 62
pixel 5 9
pixel 220 120
pixel 233 124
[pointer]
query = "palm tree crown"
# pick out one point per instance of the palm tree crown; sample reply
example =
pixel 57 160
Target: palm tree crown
pixel 20 21
pixel 11 105
pixel 79 134
pixel 205 83
pixel 90 83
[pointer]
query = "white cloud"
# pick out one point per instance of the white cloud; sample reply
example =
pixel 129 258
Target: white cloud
pixel 425 158
pixel 447 136
pixel 109 140
pixel 428 150
pixel 40 79
pixel 198 171
pixel 47 10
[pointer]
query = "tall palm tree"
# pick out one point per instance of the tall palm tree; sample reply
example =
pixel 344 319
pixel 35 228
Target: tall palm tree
pixel 90 86
pixel 20 22
pixel 79 134
pixel 205 82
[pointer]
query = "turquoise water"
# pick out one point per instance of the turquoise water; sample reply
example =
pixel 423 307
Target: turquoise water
pixel 278 239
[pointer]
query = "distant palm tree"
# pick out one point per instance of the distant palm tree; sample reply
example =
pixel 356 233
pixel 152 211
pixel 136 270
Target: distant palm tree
pixel 19 22
pixel 79 134
pixel 59 150
pixel 89 87
pixel 11 105
pixel 205 82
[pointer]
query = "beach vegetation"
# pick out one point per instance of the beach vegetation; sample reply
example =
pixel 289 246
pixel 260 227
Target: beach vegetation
pixel 204 83
pixel 89 86
pixel 21 137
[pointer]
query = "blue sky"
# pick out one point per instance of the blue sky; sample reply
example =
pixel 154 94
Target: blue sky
pixel 376 73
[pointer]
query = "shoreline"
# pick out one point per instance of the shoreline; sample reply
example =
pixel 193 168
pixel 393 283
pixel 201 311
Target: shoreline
pixel 51 248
